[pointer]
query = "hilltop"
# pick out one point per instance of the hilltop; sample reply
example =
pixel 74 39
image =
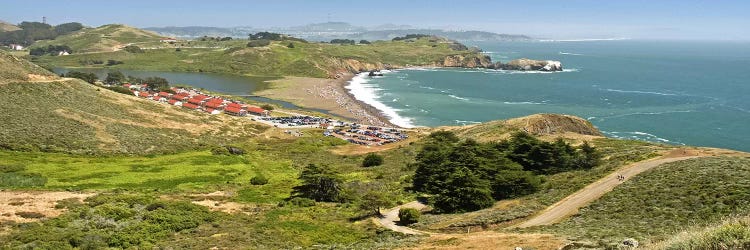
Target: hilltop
pixel 7 27
pixel 278 58
pixel 45 112
pixel 105 38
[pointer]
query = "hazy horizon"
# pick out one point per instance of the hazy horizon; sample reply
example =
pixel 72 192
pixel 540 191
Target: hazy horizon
pixel 682 20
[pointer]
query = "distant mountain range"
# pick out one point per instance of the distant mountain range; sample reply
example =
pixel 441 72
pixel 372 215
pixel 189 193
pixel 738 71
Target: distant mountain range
pixel 337 30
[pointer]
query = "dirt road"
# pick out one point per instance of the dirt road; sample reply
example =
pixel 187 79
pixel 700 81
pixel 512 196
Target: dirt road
pixel 570 205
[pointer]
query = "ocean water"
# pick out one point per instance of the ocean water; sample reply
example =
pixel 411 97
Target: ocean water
pixel 693 93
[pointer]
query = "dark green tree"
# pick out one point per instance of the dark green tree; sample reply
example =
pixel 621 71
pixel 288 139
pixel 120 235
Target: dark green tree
pixel 133 49
pixel 88 77
pixel 364 42
pixel 157 83
pixel 319 184
pixel 115 78
pixel 374 200
pixel 514 183
pixel 467 192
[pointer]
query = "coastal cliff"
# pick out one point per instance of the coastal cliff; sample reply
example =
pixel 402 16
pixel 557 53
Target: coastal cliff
pixel 525 64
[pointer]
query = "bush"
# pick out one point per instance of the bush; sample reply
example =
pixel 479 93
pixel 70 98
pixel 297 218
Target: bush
pixel 267 106
pixel 372 160
pixel 258 43
pixel 408 215
pixel 133 49
pixel 364 42
pixel 30 215
pixel 219 151
pixel 298 202
pixel 290 45
pixel 259 180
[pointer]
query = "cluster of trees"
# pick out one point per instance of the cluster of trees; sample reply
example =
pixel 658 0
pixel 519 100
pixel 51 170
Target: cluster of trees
pixel 34 31
pixel 466 175
pixel 409 36
pixel 343 41
pixel 50 50
pixel 273 37
pixel 208 38
pixel 87 77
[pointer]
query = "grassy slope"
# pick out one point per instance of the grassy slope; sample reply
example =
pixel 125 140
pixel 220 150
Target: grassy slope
pixel 655 204
pixel 102 38
pixel 14 69
pixel 7 27
pixel 733 233
pixel 305 59
pixel 264 225
pixel 69 115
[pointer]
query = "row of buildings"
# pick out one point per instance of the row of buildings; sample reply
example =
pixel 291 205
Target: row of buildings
pixel 194 100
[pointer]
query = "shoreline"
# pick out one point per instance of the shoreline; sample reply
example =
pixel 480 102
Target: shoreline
pixel 326 94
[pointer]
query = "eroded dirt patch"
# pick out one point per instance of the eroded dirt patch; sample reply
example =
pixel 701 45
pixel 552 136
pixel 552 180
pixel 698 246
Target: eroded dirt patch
pixel 492 240
pixel 29 206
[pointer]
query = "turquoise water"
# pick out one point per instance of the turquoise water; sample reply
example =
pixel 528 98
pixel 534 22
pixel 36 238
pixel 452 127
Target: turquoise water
pixel 693 93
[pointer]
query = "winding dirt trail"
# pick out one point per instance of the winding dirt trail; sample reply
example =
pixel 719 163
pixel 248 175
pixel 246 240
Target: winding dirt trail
pixel 570 205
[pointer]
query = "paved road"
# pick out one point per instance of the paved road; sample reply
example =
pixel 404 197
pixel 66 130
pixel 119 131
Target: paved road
pixel 570 205
pixel 391 216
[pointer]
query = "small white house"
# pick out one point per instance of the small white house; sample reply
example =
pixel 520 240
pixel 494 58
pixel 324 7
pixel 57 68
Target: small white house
pixel 168 40
pixel 15 47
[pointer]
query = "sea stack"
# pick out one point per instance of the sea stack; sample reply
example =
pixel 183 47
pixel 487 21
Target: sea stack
pixel 525 64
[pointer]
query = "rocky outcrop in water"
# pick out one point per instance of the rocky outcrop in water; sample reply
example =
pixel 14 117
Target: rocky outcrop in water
pixel 471 61
pixel 525 64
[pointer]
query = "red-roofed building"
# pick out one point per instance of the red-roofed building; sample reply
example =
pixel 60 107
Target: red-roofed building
pixel 164 94
pixel 256 110
pixel 174 102
pixel 200 97
pixel 190 106
pixel 144 94
pixel 157 98
pixel 235 111
pixel 181 97
pixel 234 105
pixel 213 105
pixel 196 101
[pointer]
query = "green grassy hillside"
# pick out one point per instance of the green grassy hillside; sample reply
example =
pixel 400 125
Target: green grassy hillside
pixel 732 233
pixel 665 200
pixel 13 69
pixel 44 112
pixel 277 59
pixel 101 39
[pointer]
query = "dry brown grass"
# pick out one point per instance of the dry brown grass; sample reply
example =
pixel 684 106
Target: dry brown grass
pixel 16 203
pixel 491 240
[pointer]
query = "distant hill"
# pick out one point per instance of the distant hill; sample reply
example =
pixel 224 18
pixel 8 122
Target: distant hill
pixel 105 38
pixel 193 31
pixel 42 111
pixel 277 58
pixel 543 125
pixel 339 30
pixel 4 26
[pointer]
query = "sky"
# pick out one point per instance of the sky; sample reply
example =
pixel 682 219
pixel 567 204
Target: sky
pixel 569 19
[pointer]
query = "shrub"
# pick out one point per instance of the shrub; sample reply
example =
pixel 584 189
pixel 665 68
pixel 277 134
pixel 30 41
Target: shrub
pixel 372 160
pixel 290 45
pixel 258 43
pixel 133 49
pixel 408 215
pixel 298 202
pixel 364 42
pixel 30 215
pixel 267 106
pixel 219 151
pixel 259 180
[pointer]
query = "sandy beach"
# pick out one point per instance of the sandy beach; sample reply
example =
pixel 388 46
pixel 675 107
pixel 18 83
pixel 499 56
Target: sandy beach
pixel 326 94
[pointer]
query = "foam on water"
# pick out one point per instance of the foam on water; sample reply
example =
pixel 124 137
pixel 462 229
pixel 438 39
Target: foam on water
pixel 639 92
pixel 368 93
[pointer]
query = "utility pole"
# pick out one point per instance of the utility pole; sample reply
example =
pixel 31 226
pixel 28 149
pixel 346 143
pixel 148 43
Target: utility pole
pixel 44 20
